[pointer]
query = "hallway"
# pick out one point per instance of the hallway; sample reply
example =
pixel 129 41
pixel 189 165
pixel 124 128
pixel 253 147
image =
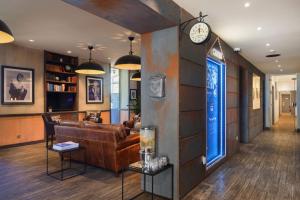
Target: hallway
pixel 267 168
pixel 285 124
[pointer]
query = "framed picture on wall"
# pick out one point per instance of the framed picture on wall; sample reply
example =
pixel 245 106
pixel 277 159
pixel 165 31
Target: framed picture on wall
pixel 17 85
pixel 133 94
pixel 94 90
pixel 256 92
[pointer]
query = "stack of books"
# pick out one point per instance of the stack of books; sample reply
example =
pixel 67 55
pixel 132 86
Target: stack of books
pixel 65 146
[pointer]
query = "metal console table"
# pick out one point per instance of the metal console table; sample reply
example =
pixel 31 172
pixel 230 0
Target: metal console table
pixel 135 167
pixel 62 169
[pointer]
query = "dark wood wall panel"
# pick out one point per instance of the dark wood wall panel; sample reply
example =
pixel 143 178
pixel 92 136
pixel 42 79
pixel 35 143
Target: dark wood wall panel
pixel 190 148
pixel 192 116
pixel 190 175
pixel 192 52
pixel 232 100
pixel 232 142
pixel 191 74
pixel 232 84
pixel 191 123
pixel 191 98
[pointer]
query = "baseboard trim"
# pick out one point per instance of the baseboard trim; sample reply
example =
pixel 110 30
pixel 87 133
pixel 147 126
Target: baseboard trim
pixel 21 144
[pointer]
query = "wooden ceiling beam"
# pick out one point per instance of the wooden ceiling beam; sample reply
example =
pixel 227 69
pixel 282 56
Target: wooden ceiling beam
pixel 140 16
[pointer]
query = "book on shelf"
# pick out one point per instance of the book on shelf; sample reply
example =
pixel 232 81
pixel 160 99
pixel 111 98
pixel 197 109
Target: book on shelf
pixel 55 87
pixel 65 146
pixel 72 79
pixel 72 88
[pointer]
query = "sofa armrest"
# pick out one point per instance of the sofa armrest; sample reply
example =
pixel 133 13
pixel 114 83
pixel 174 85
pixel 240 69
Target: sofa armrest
pixel 130 140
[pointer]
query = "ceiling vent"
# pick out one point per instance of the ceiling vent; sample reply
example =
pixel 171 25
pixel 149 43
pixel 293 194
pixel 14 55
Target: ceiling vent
pixel 273 55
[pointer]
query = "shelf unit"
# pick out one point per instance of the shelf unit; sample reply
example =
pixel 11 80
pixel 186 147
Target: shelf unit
pixel 61 82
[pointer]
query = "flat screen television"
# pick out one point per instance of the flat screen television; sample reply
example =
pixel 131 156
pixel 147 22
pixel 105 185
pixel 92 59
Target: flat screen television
pixel 61 102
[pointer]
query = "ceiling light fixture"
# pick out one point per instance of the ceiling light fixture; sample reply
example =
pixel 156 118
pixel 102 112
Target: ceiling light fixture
pixel 259 28
pixel 272 50
pixel 281 70
pixel 31 40
pixel 136 76
pixel 69 52
pixel 129 62
pixel 268 44
pixel 247 5
pixel 276 61
pixel 279 66
pixel 6 35
pixel 90 67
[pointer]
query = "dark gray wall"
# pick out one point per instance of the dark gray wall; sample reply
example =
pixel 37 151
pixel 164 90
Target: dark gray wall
pixel 160 56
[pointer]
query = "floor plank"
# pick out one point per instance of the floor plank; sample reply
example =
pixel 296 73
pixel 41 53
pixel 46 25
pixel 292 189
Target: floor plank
pixel 267 168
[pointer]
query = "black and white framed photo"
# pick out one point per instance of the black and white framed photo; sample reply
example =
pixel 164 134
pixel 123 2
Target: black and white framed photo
pixel 94 89
pixel 17 86
pixel 133 94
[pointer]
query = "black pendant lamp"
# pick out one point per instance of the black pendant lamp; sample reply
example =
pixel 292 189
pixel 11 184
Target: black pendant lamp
pixel 129 62
pixel 6 35
pixel 90 67
pixel 136 76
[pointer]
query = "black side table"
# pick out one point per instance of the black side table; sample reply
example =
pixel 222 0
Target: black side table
pixel 138 169
pixel 62 169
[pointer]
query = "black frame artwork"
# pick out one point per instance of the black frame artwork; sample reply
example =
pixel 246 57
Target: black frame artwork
pixel 88 97
pixel 17 94
pixel 133 94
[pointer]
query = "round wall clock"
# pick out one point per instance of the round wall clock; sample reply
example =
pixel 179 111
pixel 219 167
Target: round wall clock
pixel 200 32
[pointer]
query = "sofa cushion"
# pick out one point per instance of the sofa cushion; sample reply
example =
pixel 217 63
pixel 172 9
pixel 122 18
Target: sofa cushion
pixel 119 130
pixel 130 140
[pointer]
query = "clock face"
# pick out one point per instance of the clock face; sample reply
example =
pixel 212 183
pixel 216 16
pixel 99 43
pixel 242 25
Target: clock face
pixel 199 32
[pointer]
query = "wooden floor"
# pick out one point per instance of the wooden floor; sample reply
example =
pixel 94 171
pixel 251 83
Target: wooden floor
pixel 23 177
pixel 268 168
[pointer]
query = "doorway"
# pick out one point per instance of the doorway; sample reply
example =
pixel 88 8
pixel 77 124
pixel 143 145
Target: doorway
pixel 216 111
pixel 285 103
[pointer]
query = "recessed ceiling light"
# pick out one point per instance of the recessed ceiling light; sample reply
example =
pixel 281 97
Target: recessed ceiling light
pixel 31 40
pixel 276 61
pixel 281 70
pixel 247 5
pixel 109 58
pixel 69 52
pixel 272 50
pixel 268 44
pixel 259 28
pixel 279 66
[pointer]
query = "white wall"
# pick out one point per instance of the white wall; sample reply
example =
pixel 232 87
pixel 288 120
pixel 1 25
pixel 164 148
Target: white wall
pixel 268 107
pixel 285 84
pixel 298 101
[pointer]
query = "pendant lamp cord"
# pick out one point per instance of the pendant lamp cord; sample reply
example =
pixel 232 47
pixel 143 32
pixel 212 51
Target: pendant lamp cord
pixel 90 48
pixel 131 38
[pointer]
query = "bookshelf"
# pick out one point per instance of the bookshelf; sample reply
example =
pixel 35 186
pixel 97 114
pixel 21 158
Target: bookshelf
pixel 61 82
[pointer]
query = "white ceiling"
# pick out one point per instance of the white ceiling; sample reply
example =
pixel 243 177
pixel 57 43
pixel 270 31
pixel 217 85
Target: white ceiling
pixel 237 25
pixel 60 27
pixel 285 82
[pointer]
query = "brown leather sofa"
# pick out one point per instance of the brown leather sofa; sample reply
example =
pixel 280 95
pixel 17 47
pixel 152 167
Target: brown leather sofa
pixel 107 146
